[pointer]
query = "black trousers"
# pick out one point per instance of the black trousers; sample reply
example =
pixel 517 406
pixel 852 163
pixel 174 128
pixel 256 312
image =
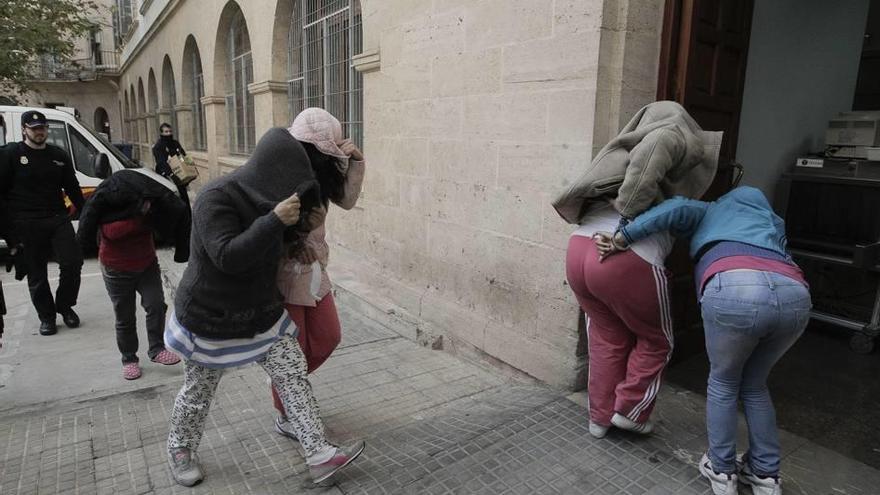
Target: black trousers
pixel 41 237
pixel 123 287
pixel 2 309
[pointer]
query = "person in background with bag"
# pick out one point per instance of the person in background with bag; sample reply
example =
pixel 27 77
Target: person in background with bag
pixel 339 166
pixel 165 148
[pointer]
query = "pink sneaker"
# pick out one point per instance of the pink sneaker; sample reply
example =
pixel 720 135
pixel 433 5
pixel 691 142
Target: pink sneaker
pixel 131 371
pixel 166 357
pixel 343 457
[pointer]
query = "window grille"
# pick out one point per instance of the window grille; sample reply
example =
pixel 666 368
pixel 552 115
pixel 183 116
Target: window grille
pixel 239 101
pixel 197 92
pixel 325 35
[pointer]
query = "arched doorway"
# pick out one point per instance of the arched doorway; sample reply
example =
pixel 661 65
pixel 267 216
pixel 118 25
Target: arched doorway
pixel 102 122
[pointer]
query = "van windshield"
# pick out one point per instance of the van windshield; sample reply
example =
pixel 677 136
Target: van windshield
pixel 124 160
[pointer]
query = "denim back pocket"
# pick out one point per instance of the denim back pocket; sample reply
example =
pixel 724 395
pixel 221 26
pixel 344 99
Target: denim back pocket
pixel 735 318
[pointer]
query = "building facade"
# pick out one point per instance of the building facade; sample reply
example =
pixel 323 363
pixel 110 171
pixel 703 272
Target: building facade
pixel 89 81
pixel 472 115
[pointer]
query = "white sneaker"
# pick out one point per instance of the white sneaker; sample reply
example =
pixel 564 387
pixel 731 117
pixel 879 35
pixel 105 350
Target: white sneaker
pixel 627 424
pixel 284 427
pixel 760 485
pixel 597 430
pixel 722 484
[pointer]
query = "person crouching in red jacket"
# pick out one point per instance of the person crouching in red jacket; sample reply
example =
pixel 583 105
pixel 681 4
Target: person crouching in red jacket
pixel 129 264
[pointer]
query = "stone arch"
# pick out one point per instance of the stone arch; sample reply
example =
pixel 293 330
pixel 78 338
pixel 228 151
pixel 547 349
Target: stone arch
pixel 169 94
pixel 134 123
pixel 233 73
pixel 281 37
pixel 192 89
pixel 141 99
pixel 152 105
pixel 101 121
pixel 126 115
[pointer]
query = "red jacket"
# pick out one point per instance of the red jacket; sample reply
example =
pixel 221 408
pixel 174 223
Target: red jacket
pixel 127 245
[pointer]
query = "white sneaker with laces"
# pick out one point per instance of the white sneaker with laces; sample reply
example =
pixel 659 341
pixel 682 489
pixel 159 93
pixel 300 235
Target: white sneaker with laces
pixel 761 485
pixel 722 484
pixel 284 427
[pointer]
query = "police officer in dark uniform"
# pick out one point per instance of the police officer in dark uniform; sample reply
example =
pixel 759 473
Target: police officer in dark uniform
pixel 33 176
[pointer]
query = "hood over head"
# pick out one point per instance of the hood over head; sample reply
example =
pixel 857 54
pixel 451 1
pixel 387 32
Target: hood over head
pixel 278 167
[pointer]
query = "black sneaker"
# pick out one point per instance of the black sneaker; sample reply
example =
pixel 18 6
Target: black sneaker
pixel 71 319
pixel 48 328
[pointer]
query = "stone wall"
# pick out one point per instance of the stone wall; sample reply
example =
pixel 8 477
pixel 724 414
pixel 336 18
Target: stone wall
pixel 478 114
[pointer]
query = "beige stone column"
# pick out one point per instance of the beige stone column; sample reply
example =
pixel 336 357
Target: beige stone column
pixel 152 128
pixel 126 130
pixel 270 105
pixel 215 123
pixel 184 129
pixel 163 115
pixel 142 125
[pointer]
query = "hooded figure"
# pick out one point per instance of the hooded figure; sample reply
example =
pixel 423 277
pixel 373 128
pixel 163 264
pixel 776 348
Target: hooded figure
pixel 121 196
pixel 228 289
pixel 662 152
pixel 228 309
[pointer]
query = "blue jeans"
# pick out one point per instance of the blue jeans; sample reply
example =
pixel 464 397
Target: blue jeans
pixel 751 319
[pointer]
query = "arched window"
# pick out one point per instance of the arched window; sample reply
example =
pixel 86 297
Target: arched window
pixel 102 121
pixel 141 111
pixel 194 90
pixel 324 37
pixel 126 117
pixel 153 108
pixel 169 93
pixel 239 74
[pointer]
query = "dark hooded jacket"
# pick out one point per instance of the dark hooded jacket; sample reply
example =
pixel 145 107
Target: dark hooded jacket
pixel 122 196
pixel 229 288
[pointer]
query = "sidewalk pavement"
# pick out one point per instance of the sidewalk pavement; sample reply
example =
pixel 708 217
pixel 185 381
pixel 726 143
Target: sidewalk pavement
pixel 433 424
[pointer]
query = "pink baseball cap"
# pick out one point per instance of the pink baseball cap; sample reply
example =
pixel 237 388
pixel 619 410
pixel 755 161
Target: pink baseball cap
pixel 318 127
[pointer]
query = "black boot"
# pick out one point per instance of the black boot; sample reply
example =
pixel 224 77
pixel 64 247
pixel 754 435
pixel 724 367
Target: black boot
pixel 71 319
pixel 48 328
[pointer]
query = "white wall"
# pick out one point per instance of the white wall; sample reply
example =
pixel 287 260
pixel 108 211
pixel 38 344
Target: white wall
pixel 802 69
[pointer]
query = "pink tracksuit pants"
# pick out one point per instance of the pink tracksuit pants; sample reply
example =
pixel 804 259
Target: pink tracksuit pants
pixel 629 327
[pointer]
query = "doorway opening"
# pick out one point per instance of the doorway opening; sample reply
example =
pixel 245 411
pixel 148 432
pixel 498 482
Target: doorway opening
pixel 772 75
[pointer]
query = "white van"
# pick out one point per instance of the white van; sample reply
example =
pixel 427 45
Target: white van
pixel 85 147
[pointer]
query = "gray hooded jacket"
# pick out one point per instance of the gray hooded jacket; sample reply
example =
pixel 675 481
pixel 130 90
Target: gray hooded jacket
pixel 662 152
pixel 229 289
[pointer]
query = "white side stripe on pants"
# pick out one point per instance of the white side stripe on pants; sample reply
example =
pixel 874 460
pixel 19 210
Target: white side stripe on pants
pixel 666 327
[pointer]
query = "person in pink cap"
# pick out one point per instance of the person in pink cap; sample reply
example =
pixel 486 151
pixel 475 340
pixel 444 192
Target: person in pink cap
pixel 338 165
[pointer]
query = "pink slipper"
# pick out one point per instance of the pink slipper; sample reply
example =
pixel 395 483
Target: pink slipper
pixel 131 371
pixel 166 357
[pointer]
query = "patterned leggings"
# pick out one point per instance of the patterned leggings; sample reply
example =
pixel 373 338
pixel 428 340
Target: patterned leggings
pixel 286 366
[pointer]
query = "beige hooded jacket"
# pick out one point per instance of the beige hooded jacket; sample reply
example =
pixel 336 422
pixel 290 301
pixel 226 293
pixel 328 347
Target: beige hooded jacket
pixel 662 152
